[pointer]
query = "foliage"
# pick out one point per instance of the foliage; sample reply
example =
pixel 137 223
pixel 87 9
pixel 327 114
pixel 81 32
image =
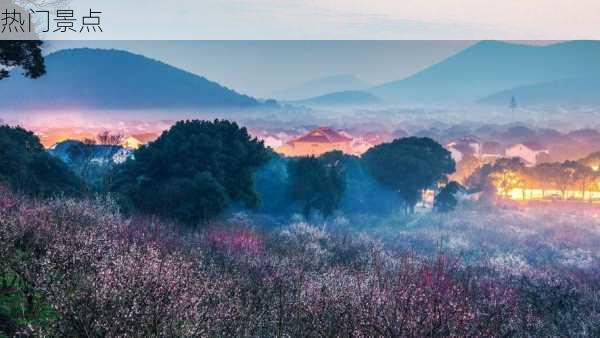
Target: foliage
pixel 466 167
pixel 105 275
pixel 445 200
pixel 90 161
pixel 26 54
pixel 192 171
pixel 26 167
pixel 106 137
pixel 270 183
pixel 500 174
pixel 409 165
pixel 317 183
pixel 507 174
pixel 364 194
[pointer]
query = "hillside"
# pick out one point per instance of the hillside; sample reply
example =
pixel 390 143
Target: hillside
pixel 489 67
pixel 112 79
pixel 344 98
pixel 321 86
pixel 565 92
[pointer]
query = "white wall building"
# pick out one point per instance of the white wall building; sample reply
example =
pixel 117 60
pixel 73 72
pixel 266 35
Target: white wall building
pixel 528 152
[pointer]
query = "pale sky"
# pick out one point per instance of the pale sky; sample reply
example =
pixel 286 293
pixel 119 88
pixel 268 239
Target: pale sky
pixel 342 19
pixel 260 68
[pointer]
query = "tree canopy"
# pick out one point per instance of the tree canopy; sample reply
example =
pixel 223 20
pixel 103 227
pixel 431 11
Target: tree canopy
pixel 445 200
pixel 192 171
pixel 26 54
pixel 317 183
pixel 26 167
pixel 408 165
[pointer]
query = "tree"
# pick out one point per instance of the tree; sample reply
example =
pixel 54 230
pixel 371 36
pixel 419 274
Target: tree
pixel 26 167
pixel 271 184
pixel 586 177
pixel 466 167
pixel 106 137
pixel 498 176
pixel 192 171
pixel 409 165
pixel 317 183
pixel 26 54
pixel 445 200
pixel 592 160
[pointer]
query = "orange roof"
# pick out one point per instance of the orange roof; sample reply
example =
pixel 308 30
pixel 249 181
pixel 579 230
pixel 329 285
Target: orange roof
pixel 322 135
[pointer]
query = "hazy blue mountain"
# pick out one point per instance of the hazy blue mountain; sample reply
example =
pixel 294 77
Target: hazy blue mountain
pixel 489 67
pixel 566 92
pixel 345 98
pixel 112 79
pixel 321 86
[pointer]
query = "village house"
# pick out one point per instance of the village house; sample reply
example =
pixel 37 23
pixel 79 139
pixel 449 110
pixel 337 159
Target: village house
pixel 491 150
pixel 528 152
pixel 463 147
pixel 317 142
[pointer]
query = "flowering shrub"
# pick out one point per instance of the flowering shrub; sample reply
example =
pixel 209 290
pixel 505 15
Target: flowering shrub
pixel 101 274
pixel 236 242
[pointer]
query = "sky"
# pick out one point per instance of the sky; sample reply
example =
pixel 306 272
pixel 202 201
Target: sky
pixel 268 61
pixel 338 19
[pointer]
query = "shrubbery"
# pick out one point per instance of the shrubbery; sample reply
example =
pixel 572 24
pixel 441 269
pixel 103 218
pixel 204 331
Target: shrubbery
pixel 93 272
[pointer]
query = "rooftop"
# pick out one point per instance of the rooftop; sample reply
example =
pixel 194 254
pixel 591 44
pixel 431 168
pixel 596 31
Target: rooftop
pixel 322 135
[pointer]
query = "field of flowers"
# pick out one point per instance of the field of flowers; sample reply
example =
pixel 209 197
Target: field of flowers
pixel 80 268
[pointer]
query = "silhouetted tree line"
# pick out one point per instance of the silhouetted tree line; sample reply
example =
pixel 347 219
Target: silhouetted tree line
pixel 27 168
pixel 510 173
pixel 197 169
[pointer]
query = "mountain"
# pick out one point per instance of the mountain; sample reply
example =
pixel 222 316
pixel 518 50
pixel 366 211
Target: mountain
pixel 565 92
pixel 112 79
pixel 345 98
pixel 321 86
pixel 489 67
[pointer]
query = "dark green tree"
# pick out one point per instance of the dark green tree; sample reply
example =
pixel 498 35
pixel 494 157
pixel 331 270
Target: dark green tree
pixel 26 54
pixel 26 167
pixel 271 184
pixel 445 200
pixel 317 183
pixel 192 171
pixel 409 165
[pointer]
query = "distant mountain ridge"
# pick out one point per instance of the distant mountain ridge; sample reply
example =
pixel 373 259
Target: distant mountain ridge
pixel 343 98
pixel 489 67
pixel 321 86
pixel 113 79
pixel 565 92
